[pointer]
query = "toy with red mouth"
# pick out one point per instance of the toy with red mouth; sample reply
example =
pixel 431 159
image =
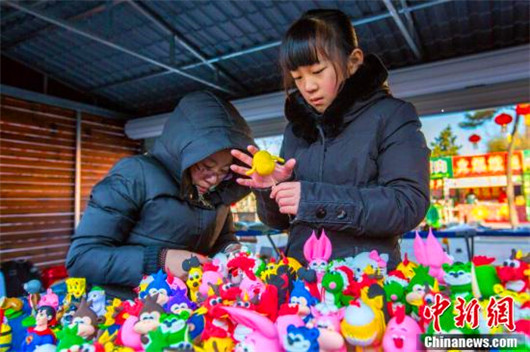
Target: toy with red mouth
pixel 514 273
pixel 401 333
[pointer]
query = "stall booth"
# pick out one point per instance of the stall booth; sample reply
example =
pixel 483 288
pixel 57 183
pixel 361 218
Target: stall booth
pixel 472 188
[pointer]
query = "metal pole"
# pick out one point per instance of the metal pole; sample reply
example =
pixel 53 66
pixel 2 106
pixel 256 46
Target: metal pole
pixel 86 34
pixel 77 197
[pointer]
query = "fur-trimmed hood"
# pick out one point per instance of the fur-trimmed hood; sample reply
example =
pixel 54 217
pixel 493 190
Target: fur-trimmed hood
pixel 365 86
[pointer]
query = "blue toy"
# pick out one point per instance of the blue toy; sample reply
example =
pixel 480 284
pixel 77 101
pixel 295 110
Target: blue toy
pixel 159 286
pixel 301 339
pixel 180 302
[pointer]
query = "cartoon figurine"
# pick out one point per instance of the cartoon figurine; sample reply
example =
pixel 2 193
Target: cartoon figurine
pixel 149 317
pixel 317 253
pixel 458 277
pixel 514 273
pixel 362 326
pixel 41 334
pixel 193 267
pixel 402 333
pixel 301 298
pixel 86 320
pixel 97 298
pixel 75 289
pixel 301 338
pixel 6 336
pixel 407 267
pixel 484 277
pixel 180 302
pixel 69 340
pixel 264 163
pixel 159 287
pixel 328 324
pixel 431 254
pixel 49 299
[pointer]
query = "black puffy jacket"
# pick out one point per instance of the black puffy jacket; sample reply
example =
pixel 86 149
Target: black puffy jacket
pixel 147 203
pixel 363 167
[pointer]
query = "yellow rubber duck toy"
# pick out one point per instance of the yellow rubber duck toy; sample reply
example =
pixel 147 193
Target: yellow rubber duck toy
pixel 264 163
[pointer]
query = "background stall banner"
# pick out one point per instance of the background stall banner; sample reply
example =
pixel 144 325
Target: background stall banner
pixel 492 164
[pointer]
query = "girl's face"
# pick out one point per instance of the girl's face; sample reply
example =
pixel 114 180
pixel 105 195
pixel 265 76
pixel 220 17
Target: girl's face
pixel 319 83
pixel 211 171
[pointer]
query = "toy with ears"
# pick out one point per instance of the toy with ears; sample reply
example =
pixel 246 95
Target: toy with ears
pixel 193 267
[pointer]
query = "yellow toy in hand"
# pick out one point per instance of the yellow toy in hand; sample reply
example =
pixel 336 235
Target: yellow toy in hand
pixel 264 163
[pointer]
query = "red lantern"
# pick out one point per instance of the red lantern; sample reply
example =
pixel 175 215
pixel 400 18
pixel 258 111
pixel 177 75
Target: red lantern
pixel 474 138
pixel 522 109
pixel 503 120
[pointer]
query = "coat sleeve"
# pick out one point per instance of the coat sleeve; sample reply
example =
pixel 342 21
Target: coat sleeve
pixel 99 251
pixel 399 200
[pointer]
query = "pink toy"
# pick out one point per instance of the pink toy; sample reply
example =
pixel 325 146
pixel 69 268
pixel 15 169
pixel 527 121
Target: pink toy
pixel 430 253
pixel 127 336
pixel 263 335
pixel 330 338
pixel 49 299
pixel 251 287
pixel 176 283
pixel 401 333
pixel 317 253
pixel 209 277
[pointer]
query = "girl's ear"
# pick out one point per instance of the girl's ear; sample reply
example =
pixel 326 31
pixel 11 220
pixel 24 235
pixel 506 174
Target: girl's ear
pixel 356 59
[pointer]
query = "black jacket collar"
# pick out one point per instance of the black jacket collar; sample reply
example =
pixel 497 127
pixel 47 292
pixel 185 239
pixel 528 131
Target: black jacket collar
pixel 369 79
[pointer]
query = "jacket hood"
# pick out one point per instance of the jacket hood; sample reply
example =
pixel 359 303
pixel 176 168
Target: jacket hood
pixel 367 85
pixel 201 125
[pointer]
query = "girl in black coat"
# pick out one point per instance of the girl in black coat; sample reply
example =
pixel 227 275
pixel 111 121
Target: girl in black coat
pixel 358 164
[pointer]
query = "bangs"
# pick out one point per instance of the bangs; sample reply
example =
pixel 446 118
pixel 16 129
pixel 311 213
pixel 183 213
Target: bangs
pixel 300 47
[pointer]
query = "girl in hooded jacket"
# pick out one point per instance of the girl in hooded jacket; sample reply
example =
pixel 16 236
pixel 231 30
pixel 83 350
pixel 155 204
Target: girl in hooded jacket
pixel 357 163
pixel 155 210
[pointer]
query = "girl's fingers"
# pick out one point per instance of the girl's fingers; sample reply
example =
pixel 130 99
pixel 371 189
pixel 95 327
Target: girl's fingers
pixel 282 202
pixel 280 187
pixel 252 149
pixel 284 193
pixel 241 156
pixel 288 210
pixel 247 182
pixel 239 169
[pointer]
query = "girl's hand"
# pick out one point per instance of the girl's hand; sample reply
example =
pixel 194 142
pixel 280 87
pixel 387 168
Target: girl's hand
pixel 287 195
pixel 280 174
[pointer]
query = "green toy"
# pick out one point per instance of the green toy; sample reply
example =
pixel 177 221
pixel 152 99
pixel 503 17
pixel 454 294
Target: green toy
pixel 395 297
pixel 458 277
pixel 483 277
pixel 68 338
pixel 333 283
pixel 171 333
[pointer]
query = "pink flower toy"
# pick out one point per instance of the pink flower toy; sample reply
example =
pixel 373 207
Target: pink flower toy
pixel 317 253
pixel 430 253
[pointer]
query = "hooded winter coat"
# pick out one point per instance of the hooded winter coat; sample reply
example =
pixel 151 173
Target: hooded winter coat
pixel 147 202
pixel 363 166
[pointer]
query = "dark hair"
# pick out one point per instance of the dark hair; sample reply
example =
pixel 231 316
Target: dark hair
pixel 48 310
pixel 325 32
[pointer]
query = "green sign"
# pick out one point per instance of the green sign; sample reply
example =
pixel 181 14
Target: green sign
pixel 441 168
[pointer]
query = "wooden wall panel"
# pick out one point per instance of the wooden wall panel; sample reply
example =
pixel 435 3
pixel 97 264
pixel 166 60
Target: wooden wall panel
pixel 37 175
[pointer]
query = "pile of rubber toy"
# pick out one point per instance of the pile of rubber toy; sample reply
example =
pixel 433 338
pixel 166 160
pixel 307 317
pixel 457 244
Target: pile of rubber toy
pixel 244 303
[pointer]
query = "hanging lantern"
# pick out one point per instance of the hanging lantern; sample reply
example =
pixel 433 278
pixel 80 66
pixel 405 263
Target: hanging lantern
pixel 474 138
pixel 522 109
pixel 503 120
